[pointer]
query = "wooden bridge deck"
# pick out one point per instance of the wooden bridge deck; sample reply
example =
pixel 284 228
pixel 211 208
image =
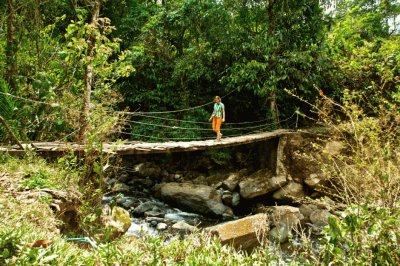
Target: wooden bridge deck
pixel 128 148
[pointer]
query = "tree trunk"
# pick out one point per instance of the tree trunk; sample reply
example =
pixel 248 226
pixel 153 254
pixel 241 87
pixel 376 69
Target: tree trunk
pixel 12 45
pixel 271 31
pixel 271 17
pixel 10 132
pixel 89 74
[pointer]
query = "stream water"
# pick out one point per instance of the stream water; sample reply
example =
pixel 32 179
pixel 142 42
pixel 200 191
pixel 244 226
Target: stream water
pixel 152 217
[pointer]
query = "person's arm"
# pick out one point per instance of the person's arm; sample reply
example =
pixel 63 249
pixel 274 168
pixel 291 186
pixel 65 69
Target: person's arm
pixel 211 116
pixel 223 114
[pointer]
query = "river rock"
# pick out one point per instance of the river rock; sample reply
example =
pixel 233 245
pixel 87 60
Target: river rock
pixel 190 218
pixel 198 198
pixel 314 180
pixel 182 226
pixel 154 220
pixel 306 210
pixel 320 217
pixel 120 187
pixel 162 226
pixel 117 223
pixel 127 202
pixel 288 215
pixel 123 177
pixel 149 206
pixel 291 191
pixel 245 233
pixel 280 233
pixel 227 197
pixel 235 199
pixel 231 182
pixel 260 183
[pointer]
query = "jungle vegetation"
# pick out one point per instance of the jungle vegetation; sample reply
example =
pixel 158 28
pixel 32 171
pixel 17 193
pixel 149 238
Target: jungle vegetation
pixel 92 71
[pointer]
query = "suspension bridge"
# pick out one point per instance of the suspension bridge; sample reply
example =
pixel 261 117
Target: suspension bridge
pixel 130 148
pixel 162 135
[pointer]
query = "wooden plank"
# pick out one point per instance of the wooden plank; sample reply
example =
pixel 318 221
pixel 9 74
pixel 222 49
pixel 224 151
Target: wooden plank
pixel 131 148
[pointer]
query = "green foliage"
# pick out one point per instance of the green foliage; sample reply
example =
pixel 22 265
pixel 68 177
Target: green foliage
pixel 219 156
pixel 10 244
pixel 11 110
pixel 366 234
pixel 38 178
pixel 364 49
pixel 188 51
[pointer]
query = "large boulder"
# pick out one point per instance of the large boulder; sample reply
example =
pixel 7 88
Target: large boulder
pixel 260 183
pixel 287 215
pixel 245 233
pixel 197 198
pixel 319 218
pixel 301 159
pixel 306 210
pixel 315 180
pixel 280 233
pixel 184 227
pixel 117 221
pixel 291 191
pixel 283 220
pixel 231 182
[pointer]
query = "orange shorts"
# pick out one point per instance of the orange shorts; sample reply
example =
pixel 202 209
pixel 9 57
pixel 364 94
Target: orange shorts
pixel 216 123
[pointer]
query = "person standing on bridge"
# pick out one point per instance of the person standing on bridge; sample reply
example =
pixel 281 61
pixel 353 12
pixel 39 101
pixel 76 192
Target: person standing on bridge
pixel 218 116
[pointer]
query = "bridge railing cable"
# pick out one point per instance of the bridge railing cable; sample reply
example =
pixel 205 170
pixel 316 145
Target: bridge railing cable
pixel 195 122
pixel 249 130
pixel 171 127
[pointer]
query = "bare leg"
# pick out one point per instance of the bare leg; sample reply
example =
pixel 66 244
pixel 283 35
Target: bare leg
pixel 219 135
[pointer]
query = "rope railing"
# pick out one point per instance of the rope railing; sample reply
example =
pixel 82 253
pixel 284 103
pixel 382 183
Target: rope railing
pixel 39 102
pixel 196 122
pixel 208 129
pixel 193 128
pixel 148 129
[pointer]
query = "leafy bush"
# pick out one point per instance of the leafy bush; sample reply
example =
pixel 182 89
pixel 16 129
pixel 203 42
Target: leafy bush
pixel 366 235
pixel 219 156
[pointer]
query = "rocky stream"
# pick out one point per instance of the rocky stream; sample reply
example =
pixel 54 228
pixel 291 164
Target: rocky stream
pixel 274 186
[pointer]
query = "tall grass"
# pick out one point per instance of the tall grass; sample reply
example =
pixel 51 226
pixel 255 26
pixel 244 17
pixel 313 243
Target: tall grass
pixel 367 171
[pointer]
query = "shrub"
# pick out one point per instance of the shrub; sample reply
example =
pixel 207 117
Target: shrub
pixel 368 169
pixel 366 235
